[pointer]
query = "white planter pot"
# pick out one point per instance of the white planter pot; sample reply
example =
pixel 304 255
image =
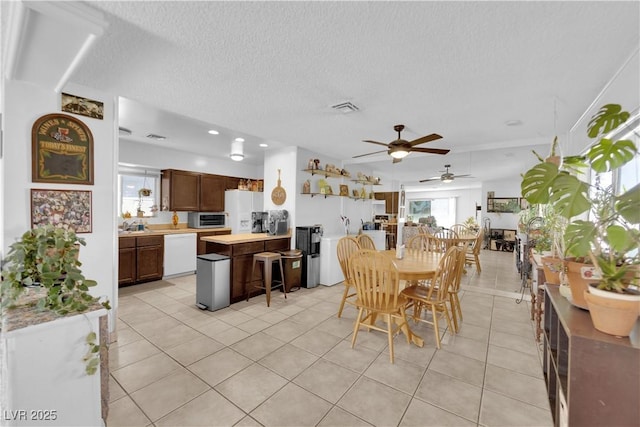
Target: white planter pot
pixel 613 295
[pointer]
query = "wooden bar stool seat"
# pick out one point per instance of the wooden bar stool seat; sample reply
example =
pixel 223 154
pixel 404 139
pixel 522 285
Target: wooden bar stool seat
pixel 267 259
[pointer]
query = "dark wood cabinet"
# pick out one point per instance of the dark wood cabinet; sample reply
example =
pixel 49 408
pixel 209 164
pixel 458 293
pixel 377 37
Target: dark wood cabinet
pixel 150 254
pixel 231 182
pixel 202 246
pixel 126 260
pixel 592 378
pixel 242 262
pixel 391 202
pixel 140 259
pixel 212 188
pixel 181 190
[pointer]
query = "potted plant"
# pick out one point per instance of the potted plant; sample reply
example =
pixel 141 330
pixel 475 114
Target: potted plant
pixel 46 258
pixel 604 225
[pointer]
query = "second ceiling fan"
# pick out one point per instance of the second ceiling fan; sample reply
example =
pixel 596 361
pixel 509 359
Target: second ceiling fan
pixel 446 177
pixel 400 148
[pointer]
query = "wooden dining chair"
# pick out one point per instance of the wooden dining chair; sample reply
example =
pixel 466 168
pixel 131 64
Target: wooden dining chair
pixel 420 242
pixel 459 229
pixel 444 239
pixel 366 242
pixel 473 252
pixel 347 246
pixel 377 284
pixel 436 296
pixel 454 288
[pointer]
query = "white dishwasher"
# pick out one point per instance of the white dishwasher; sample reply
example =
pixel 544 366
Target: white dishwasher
pixel 180 254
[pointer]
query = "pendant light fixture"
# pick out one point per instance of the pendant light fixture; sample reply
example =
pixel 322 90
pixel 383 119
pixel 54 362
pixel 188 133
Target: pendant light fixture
pixel 237 153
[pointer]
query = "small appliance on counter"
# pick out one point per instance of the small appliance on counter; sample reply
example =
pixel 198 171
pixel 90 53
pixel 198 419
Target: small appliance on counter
pixel 259 222
pixel 207 219
pixel 308 241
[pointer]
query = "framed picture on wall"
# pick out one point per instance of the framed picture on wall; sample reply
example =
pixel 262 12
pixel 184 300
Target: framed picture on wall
pixel 61 150
pixel 523 203
pixel 68 209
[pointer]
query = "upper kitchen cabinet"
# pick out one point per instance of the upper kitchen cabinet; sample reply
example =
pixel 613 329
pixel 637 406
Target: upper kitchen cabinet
pixel 391 200
pixel 181 190
pixel 212 188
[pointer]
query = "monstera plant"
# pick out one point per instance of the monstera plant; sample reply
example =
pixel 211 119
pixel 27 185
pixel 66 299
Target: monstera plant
pixel 603 223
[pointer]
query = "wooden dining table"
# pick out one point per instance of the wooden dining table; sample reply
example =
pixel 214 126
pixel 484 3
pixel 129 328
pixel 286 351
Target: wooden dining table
pixel 414 265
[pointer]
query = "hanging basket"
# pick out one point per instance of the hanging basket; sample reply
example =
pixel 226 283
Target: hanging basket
pixel 144 192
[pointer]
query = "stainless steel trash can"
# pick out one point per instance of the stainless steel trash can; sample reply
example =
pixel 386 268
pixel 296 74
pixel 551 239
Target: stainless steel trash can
pixel 212 282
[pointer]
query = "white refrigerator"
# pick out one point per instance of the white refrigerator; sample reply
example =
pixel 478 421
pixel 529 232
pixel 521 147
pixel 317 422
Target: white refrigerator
pixel 239 204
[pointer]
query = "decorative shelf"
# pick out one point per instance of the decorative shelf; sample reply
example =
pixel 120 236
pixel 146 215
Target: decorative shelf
pixel 325 173
pixel 365 182
pixel 321 194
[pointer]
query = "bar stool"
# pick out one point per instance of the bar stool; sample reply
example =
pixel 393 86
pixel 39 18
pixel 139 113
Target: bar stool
pixel 267 259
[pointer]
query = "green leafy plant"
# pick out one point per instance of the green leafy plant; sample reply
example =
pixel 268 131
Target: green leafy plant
pixel 609 235
pixel 47 257
pixel 92 358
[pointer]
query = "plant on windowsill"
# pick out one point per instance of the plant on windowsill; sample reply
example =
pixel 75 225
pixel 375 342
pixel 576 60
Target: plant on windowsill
pixel 609 238
pixel 46 258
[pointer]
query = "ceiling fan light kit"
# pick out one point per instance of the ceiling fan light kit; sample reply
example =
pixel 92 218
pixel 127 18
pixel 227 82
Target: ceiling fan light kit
pixel 446 177
pixel 401 148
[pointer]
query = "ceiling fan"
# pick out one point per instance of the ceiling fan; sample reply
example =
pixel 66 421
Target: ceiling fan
pixel 446 177
pixel 400 148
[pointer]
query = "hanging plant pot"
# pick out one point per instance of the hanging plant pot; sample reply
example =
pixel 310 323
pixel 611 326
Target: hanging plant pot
pixel 612 314
pixel 144 192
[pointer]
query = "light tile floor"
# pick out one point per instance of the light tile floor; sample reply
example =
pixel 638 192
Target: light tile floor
pixel 292 364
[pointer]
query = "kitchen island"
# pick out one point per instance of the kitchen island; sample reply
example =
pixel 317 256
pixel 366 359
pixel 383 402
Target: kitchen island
pixel 241 248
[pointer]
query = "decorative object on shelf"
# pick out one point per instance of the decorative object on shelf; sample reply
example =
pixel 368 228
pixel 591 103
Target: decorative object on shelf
pixel 61 150
pixel 311 164
pixel 354 192
pixel 67 209
pixel 278 194
pixel 345 172
pixel 344 190
pixel 322 184
pixel 83 106
pixel 345 223
pixel 306 187
pixel 317 164
pixel 363 193
pixel 610 237
pixel 175 219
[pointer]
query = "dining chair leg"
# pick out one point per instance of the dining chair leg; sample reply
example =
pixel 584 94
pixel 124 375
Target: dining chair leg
pixel 356 327
pixel 435 325
pixel 404 327
pixel 344 299
pixel 448 319
pixel 452 303
pixel 478 268
pixel 458 307
pixel 390 336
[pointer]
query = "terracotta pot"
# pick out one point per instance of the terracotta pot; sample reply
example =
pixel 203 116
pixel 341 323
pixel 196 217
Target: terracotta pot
pixel 552 268
pixel 612 316
pixel 578 283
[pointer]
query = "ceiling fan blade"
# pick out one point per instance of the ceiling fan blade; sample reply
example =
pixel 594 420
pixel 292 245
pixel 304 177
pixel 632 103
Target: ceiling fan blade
pixel 375 142
pixel 462 176
pixel 436 178
pixel 424 139
pixel 369 154
pixel 396 160
pixel 429 150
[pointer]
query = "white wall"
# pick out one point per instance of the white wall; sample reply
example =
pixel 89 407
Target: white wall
pixel 24 103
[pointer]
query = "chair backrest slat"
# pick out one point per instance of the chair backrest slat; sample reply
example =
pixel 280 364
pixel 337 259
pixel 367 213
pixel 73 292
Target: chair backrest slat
pixel 347 246
pixel 366 242
pixel 376 279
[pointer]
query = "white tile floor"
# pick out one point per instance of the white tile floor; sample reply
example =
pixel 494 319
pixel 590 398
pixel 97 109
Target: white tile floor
pixel 292 364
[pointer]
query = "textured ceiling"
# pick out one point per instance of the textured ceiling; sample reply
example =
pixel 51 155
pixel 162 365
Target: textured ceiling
pixel 270 71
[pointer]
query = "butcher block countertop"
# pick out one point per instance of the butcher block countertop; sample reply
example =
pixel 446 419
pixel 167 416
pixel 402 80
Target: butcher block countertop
pixel 232 239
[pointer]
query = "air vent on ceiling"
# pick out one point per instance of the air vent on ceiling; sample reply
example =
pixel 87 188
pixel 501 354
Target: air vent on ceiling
pixel 345 107
pixel 124 131
pixel 156 137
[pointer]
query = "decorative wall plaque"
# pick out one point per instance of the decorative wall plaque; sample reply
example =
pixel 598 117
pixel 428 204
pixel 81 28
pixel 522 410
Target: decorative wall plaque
pixel 62 150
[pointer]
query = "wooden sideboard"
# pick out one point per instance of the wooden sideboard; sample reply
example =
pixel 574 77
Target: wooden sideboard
pixel 593 379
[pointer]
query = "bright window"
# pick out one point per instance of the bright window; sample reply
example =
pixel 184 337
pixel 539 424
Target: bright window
pixel 132 195
pixel 444 210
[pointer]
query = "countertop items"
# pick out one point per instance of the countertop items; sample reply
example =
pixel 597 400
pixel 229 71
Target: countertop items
pixel 232 239
pixel 163 231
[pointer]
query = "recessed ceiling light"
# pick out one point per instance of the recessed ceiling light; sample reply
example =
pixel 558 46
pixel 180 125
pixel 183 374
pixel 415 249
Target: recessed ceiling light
pixel 513 123
pixel 263 145
pixel 214 132
pixel 239 139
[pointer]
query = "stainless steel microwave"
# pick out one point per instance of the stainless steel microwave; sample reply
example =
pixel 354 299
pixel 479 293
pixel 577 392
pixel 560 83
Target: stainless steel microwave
pixel 207 219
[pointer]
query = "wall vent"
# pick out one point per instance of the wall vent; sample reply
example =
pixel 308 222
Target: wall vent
pixel 345 107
